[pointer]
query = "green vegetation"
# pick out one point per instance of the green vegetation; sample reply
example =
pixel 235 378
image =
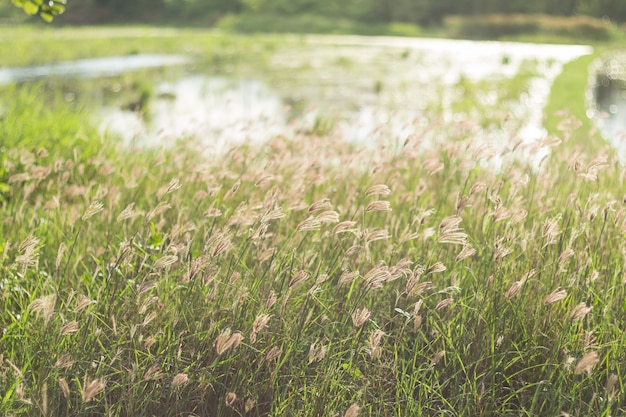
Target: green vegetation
pixel 304 276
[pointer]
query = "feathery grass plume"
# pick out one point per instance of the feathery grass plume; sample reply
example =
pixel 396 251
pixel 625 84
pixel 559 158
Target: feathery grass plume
pixel 249 405
pixel 453 237
pixel 374 341
pixel 556 295
pixel 478 187
pixel 275 213
pixel 173 185
pixel 18 178
pixel 165 261
pixel 435 268
pixel 52 204
pixel 579 312
pixel 443 304
pixel 377 234
pixel 260 322
pixel 593 277
pixel 352 411
pixel 28 250
pixel 231 193
pixel 271 300
pixel 565 255
pixel 91 388
pixel 320 205
pixel 514 289
pixel 153 373
pixel 343 227
pixel 44 306
pixel 317 353
pixel 592 169
pixel 550 230
pixel 378 205
pixel 518 216
pixel 179 380
pixel 226 341
pixel 128 213
pixel 611 386
pixel 432 166
pixel 263 180
pixel 380 190
pixel 274 353
pixel 360 316
pixel 437 357
pixel 69 328
pixel 321 279
pixel 230 399
pixel 376 276
pixel 94 208
pixel 586 363
pixel 64 386
pixel 450 223
pixel 466 252
pixel 160 208
pixel 328 216
pixel 64 361
pixel 148 318
pixel 501 250
pixel 347 277
pixel 298 277
pixel 212 212
pixel 311 223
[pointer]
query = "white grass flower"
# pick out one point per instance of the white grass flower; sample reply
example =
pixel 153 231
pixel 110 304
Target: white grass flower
pixel 94 208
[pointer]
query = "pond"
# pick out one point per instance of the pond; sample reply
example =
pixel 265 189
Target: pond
pixel 606 99
pixel 367 90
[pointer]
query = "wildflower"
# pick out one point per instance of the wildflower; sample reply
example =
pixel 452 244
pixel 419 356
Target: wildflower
pixel 179 380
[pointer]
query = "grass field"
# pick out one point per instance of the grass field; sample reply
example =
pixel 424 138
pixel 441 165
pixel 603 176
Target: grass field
pixel 304 276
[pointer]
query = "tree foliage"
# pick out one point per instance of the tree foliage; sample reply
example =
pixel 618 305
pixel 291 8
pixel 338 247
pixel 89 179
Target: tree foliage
pixel 45 9
pixel 375 11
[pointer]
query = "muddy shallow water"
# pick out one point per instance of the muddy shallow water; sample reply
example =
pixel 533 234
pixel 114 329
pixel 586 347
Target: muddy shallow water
pixel 368 90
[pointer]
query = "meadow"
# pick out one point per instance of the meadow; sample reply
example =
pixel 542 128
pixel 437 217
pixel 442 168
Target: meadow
pixel 304 276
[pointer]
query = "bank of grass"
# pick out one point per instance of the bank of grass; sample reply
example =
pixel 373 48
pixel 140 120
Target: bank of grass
pixel 307 278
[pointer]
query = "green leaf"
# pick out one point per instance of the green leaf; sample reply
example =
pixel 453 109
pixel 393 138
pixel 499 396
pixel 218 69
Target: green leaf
pixel 57 9
pixel 37 2
pixel 46 16
pixel 30 8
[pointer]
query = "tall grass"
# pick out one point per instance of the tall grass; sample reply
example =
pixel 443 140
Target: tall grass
pixel 306 277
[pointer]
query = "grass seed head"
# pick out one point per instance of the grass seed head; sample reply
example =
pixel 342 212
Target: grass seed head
pixel 44 306
pixel 230 399
pixel 579 312
pixel 586 363
pixel 352 411
pixel 379 190
pixel 64 386
pixel 556 295
pixel 180 380
pixel 360 316
pixel 94 208
pixel 91 389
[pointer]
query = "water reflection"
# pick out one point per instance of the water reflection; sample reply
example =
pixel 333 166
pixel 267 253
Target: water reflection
pixel 220 112
pixel 606 99
pixel 91 68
